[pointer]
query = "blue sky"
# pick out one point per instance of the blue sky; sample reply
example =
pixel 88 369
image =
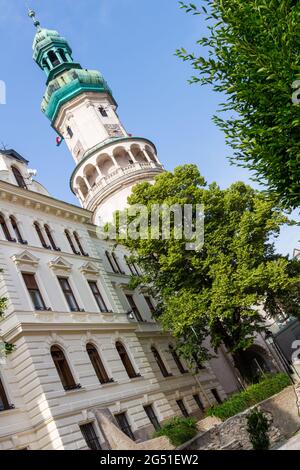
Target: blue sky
pixel 132 42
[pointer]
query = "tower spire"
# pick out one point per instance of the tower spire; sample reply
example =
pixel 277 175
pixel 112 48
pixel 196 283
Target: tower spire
pixel 32 15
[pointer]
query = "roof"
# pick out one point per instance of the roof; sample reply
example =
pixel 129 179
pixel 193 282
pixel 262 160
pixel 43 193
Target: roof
pixel 13 154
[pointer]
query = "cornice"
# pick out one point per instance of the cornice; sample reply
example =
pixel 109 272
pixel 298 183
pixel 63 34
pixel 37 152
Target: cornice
pixel 42 203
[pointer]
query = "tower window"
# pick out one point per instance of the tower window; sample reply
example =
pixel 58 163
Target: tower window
pixel 182 408
pixel 103 111
pixel 124 425
pixel 126 361
pixel 63 55
pixel 34 291
pixel 53 59
pixel 160 362
pixel 90 436
pixel 5 230
pixel 97 364
pixel 68 293
pixel 70 132
pixel 19 178
pixel 63 369
pixel 97 295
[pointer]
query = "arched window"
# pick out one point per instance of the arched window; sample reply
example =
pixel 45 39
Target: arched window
pixel 126 360
pixel 97 364
pixel 177 360
pixel 5 230
pixel 4 404
pixel 69 238
pixel 19 178
pixel 160 362
pixel 16 229
pixel 79 244
pixel 40 235
pixel 53 58
pixel 62 55
pixel 50 238
pixel 63 368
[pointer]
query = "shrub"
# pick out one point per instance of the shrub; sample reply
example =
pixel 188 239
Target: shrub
pixel 254 394
pixel 178 430
pixel 257 427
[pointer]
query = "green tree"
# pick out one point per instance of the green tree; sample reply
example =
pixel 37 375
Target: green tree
pixel 251 55
pixel 217 291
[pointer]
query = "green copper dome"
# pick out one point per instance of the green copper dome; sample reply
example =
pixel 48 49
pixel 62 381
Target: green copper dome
pixel 65 78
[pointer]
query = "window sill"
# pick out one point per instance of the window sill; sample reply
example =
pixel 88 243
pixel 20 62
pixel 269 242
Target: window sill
pixel 8 411
pixel 138 377
pixel 109 384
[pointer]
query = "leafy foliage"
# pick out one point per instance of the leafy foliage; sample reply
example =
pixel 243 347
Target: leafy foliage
pixel 251 54
pixel 178 430
pixel 219 291
pixel 254 394
pixel 257 427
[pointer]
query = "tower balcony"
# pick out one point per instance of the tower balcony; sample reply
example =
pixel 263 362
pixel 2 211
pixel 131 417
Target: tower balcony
pixel 110 169
pixel 129 175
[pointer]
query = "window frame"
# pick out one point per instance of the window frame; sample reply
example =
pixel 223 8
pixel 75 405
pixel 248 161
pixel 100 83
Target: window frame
pixel 98 365
pixel 50 237
pixel 183 408
pixel 177 360
pixel 98 297
pixel 160 363
pixel 20 180
pixel 5 229
pixel 69 293
pixel 126 360
pixel 32 291
pixel 134 308
pixel 150 412
pixel 87 430
pixel 65 373
pixel 124 425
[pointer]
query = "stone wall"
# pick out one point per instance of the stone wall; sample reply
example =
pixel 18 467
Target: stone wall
pixel 281 411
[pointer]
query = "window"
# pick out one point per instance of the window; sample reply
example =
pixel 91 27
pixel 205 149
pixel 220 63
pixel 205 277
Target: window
pixel 90 436
pixel 216 395
pixel 41 236
pixel 98 297
pixel 5 230
pixel 4 405
pixel 199 402
pixel 62 55
pixel 111 262
pixel 53 59
pixel 18 177
pixel 16 229
pixel 160 362
pixel 126 361
pixel 152 417
pixel 134 308
pixel 97 364
pixel 50 238
pixel 117 263
pixel 103 111
pixel 34 291
pixel 69 238
pixel 70 132
pixel 132 267
pixel 70 297
pixel 79 244
pixel 63 369
pixel 149 303
pixel 177 360
pixel 124 425
pixel 182 408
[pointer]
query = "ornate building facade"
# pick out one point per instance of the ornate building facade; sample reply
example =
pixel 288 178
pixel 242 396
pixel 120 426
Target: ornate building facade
pixel 83 340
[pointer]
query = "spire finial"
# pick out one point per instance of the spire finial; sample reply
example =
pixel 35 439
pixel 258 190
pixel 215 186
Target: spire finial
pixel 31 14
